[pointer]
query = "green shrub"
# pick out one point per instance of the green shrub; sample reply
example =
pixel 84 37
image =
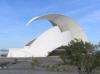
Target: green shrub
pixel 48 66
pixel 15 60
pixel 55 68
pixel 3 55
pixel 81 54
pixel 43 66
pixel 64 69
pixel 34 63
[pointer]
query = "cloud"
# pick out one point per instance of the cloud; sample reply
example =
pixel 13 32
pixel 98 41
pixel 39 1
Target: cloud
pixel 84 9
pixel 91 24
pixel 93 17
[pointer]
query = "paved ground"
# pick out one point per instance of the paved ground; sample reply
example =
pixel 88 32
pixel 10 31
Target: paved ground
pixel 35 72
pixel 30 72
pixel 23 66
pixel 25 62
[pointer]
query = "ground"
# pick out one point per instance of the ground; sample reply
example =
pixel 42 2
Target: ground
pixel 48 65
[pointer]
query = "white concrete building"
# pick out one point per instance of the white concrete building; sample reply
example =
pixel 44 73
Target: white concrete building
pixel 65 29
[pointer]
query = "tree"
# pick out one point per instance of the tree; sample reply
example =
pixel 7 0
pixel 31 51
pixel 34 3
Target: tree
pixel 80 54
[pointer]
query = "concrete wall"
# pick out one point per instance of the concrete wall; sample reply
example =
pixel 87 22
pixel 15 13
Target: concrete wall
pixel 48 41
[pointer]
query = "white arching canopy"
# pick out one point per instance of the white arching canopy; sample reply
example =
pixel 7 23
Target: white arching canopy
pixel 65 24
pixel 65 29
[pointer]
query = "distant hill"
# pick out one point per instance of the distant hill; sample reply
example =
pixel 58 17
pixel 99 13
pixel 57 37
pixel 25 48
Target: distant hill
pixel 4 50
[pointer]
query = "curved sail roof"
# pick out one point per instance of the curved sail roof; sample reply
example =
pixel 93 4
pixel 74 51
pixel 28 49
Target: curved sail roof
pixel 65 24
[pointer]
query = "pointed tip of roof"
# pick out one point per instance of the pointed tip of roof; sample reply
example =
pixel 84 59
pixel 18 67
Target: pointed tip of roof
pixel 33 19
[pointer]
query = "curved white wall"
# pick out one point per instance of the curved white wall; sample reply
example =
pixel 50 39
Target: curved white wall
pixel 48 41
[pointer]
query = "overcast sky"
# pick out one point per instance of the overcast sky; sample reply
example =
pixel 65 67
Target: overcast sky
pixel 14 14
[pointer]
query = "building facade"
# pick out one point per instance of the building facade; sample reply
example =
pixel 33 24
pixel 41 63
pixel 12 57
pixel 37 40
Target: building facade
pixel 63 31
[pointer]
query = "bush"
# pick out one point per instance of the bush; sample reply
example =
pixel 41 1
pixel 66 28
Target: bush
pixel 82 55
pixel 34 63
pixel 15 60
pixel 64 69
pixel 3 55
pixel 48 66
pixel 55 68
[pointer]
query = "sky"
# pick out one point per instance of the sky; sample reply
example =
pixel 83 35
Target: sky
pixel 14 15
